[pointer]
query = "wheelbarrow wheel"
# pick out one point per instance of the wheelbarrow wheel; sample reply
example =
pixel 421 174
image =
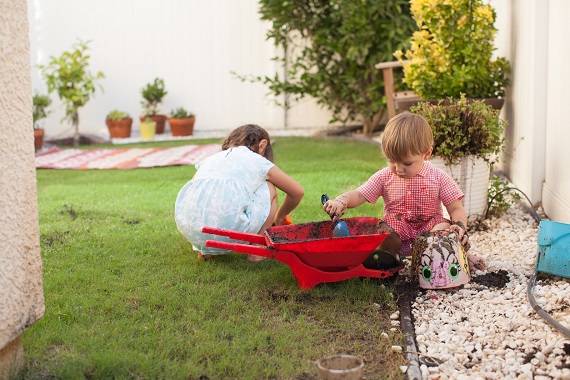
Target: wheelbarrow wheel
pixel 382 260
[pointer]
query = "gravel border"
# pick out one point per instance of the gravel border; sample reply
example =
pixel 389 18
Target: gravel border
pixel 488 329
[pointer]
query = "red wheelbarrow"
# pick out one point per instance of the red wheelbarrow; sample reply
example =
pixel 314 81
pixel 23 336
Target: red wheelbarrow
pixel 311 251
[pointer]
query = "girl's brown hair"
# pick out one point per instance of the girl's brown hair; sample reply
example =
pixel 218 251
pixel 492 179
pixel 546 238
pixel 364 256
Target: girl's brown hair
pixel 249 135
pixel 406 134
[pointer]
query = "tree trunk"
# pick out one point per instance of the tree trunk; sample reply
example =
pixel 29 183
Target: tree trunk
pixel 372 123
pixel 75 121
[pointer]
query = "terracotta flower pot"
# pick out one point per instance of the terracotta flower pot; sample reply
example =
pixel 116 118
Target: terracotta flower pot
pixel 38 138
pixel 182 126
pixel 160 122
pixel 120 128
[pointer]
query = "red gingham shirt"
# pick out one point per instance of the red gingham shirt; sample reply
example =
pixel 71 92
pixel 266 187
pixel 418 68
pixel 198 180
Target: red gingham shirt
pixel 412 205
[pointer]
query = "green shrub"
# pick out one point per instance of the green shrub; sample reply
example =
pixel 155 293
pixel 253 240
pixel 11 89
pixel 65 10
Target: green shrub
pixel 69 76
pixel 332 48
pixel 452 51
pixel 463 127
pixel 499 200
pixel 40 110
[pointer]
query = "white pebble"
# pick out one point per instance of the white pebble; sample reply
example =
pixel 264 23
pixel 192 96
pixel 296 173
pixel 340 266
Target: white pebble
pixel 483 332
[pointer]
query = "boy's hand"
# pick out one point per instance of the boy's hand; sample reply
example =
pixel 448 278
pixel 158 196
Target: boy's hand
pixel 462 232
pixel 335 208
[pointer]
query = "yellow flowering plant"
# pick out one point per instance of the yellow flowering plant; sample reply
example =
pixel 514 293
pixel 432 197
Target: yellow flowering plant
pixel 452 52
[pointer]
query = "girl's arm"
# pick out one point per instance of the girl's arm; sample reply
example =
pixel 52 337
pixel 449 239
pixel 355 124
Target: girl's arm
pixel 293 192
pixel 337 207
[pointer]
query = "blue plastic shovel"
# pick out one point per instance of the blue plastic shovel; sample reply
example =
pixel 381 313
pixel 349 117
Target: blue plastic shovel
pixel 340 227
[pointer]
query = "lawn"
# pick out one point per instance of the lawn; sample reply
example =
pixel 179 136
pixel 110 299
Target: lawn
pixel 126 297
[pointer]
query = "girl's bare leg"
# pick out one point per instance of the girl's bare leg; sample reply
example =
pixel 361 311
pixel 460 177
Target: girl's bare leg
pixel 204 257
pixel 269 220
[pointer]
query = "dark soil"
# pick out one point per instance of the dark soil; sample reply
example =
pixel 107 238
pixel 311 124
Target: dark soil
pixel 85 139
pixel 496 279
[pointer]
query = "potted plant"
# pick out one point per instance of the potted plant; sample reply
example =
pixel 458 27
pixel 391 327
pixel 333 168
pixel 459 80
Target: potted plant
pixel 152 94
pixel 452 52
pixel 40 111
pixel 181 122
pixel 148 128
pixel 468 140
pixel 69 76
pixel 119 124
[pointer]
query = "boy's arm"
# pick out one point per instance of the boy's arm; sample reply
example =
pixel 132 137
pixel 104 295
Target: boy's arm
pixel 337 207
pixel 458 220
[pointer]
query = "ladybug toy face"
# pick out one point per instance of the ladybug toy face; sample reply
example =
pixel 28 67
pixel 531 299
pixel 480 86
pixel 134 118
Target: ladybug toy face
pixel 440 260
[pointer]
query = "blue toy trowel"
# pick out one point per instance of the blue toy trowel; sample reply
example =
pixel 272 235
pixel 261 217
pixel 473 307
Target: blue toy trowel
pixel 340 227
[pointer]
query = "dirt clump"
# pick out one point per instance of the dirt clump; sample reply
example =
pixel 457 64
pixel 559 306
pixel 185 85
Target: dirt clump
pixel 496 279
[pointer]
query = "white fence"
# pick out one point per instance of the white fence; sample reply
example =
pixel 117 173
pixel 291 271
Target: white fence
pixel 537 41
pixel 194 45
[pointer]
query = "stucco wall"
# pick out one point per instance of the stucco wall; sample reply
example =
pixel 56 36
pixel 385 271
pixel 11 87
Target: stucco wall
pixel 21 293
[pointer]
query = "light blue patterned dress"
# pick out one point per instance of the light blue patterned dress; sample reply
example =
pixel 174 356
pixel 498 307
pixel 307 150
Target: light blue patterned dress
pixel 229 191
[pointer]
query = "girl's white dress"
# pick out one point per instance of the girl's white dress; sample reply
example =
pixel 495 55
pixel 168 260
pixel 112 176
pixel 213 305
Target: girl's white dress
pixel 229 191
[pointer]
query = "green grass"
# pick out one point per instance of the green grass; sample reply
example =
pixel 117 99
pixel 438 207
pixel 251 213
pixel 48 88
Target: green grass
pixel 126 297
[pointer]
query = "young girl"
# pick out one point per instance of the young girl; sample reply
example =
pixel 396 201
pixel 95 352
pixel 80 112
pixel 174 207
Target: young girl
pixel 413 191
pixel 235 190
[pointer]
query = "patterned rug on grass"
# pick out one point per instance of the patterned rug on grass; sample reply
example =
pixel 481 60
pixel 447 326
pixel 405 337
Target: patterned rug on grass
pixel 128 158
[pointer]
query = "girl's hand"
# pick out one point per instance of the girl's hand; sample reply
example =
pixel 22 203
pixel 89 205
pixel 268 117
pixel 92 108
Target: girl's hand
pixel 459 227
pixel 285 222
pixel 335 208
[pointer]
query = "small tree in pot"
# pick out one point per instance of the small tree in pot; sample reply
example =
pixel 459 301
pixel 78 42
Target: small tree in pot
pixel 40 111
pixel 153 94
pixel 69 76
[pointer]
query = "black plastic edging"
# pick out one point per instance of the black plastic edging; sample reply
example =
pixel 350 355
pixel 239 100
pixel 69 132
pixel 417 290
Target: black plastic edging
pixel 407 326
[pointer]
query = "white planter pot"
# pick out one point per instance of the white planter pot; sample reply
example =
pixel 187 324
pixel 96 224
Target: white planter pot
pixel 472 175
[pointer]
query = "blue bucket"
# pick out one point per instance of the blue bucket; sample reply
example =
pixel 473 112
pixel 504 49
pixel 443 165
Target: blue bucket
pixel 553 255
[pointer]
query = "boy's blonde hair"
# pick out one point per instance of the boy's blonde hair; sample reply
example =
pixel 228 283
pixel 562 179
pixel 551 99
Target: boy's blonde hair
pixel 406 134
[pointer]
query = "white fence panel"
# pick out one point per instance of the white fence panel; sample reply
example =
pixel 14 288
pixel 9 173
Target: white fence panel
pixel 526 104
pixel 538 134
pixel 556 189
pixel 193 45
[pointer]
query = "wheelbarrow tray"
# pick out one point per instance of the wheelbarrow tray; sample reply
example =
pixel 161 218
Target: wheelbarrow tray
pixel 311 251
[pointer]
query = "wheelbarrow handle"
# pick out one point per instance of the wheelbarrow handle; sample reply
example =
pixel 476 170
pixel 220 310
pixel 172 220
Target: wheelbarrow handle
pixel 241 248
pixel 243 236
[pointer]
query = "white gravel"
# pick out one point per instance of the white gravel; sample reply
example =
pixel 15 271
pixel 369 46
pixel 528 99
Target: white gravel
pixel 481 332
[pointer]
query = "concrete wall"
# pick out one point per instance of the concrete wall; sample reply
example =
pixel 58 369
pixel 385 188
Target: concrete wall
pixel 21 293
